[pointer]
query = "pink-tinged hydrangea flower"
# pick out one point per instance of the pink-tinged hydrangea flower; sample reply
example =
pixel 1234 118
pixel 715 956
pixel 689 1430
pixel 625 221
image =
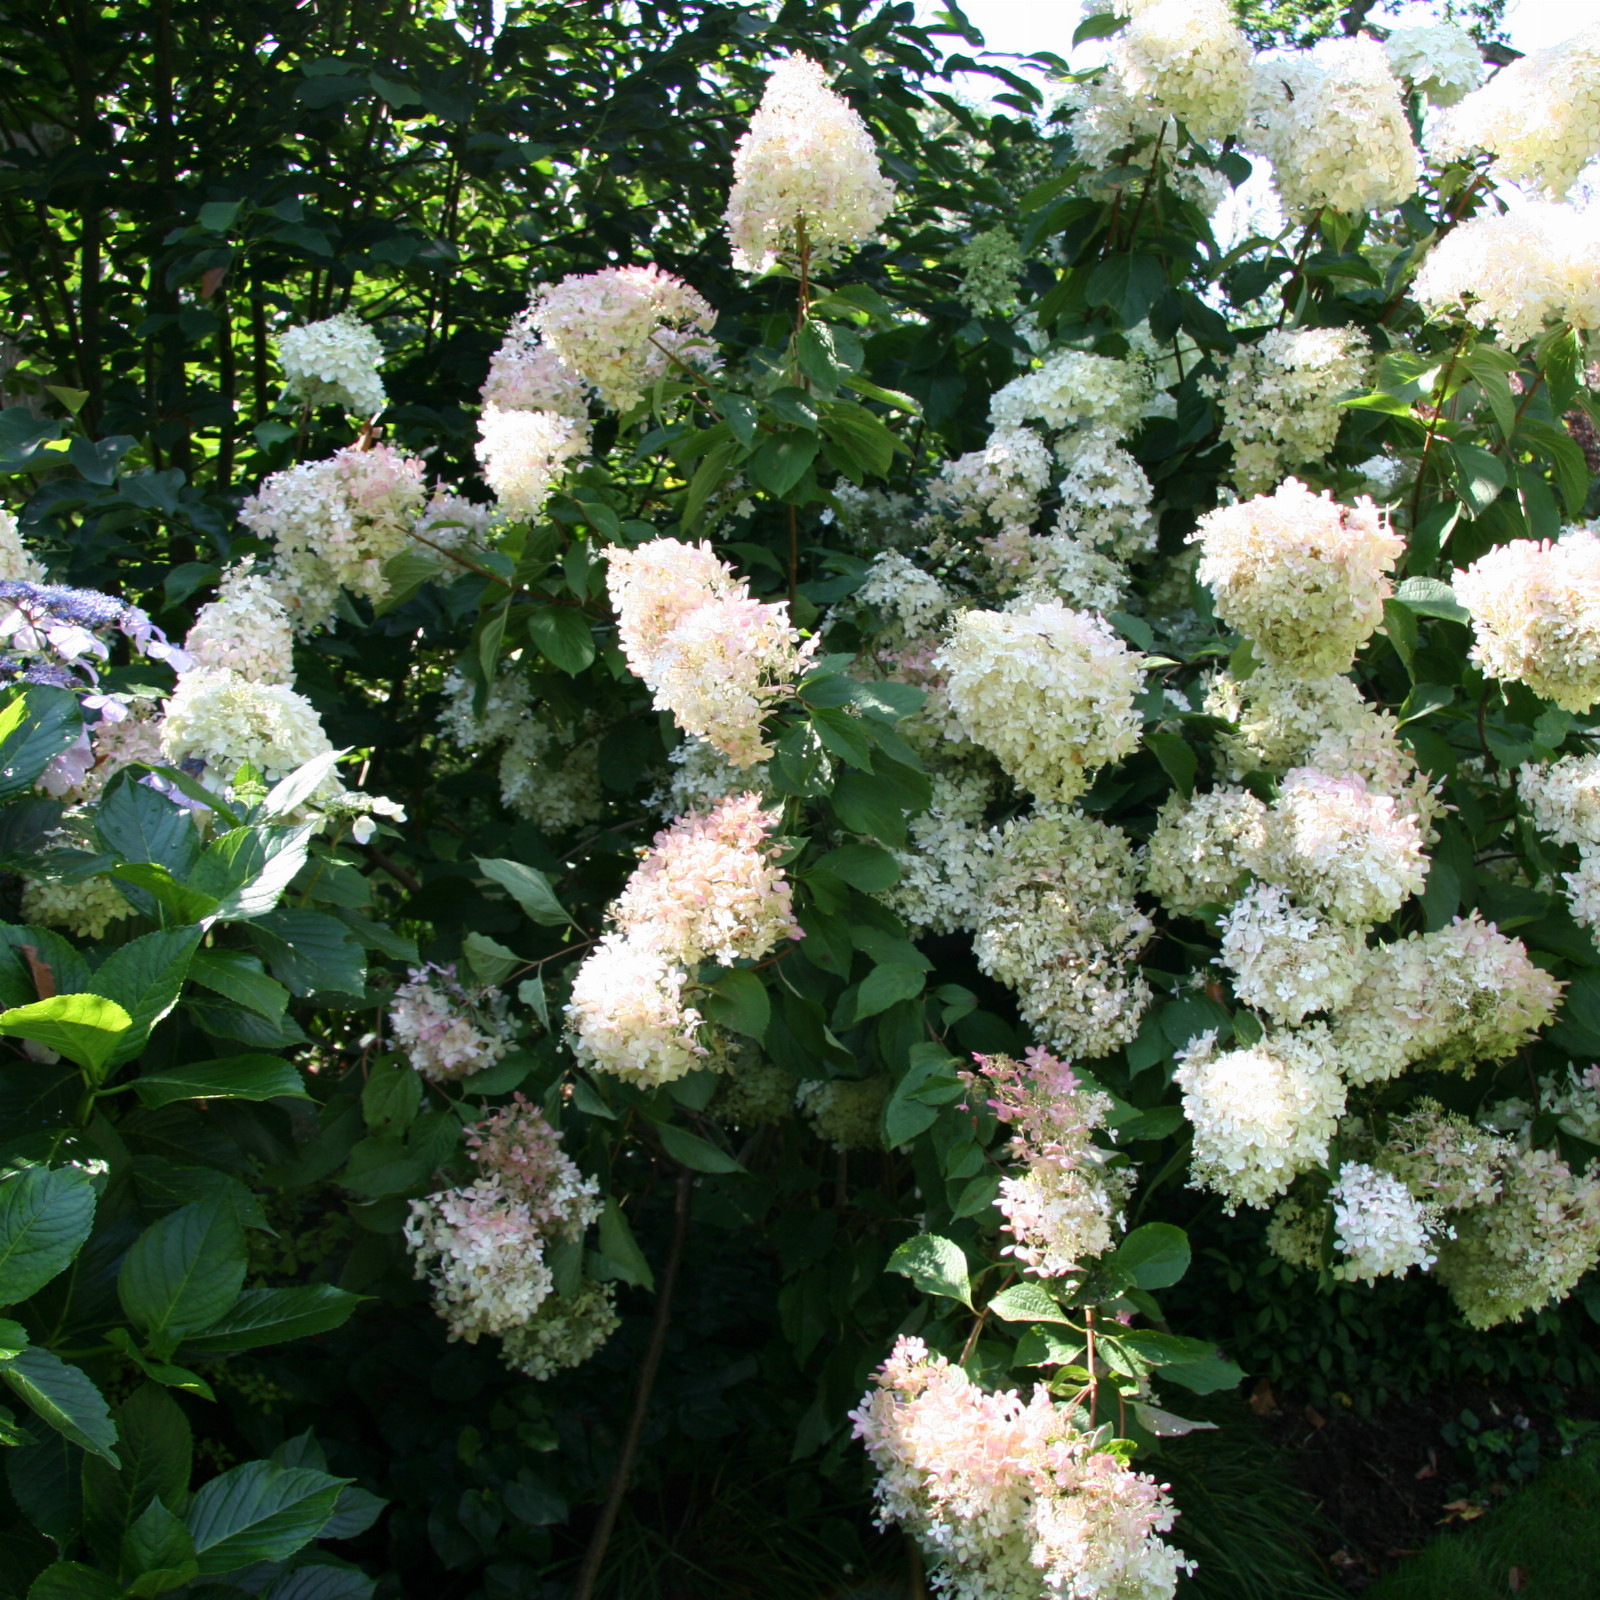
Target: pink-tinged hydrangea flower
pixel 334 363
pixel 1261 1115
pixel 245 629
pixel 628 1014
pixel 447 1030
pixel 805 175
pixel 517 1146
pixel 655 586
pixel 226 721
pixel 1300 575
pixel 623 327
pixel 711 886
pixel 1048 691
pixel 1536 615
pixel 1008 1497
pixel 523 454
pixel 1380 1229
pixel 527 375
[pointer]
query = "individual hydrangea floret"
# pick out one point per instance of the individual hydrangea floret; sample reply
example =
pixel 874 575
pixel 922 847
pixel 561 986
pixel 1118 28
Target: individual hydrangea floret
pixel 334 363
pixel 1301 576
pixel 447 1030
pixel 1201 846
pixel 1381 1230
pixel 1048 691
pixel 1288 962
pixel 1536 615
pixel 806 179
pixel 1441 62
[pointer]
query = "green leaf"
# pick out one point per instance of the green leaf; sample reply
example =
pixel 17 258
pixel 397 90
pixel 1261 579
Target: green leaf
pixel 135 824
pixel 154 1443
pixel 935 1265
pixel 885 986
pixel 157 1553
pixel 35 727
pixel 818 359
pixel 529 888
pixel 1177 759
pixel 710 474
pixel 782 461
pixel 907 1113
pixel 246 1077
pixel 310 951
pixel 691 1151
pixel 1101 25
pixel 1204 1377
pixel 1428 597
pixel 317 1582
pixel 85 1028
pixel 1027 1302
pixel 844 736
pixel 259 1512
pixel 1163 1349
pixel 405 575
pixel 739 1001
pixel 290 793
pixel 273 1316
pixel 241 978
pixel 1155 1256
pixel 183 1272
pixel 247 869
pixel 490 961
pixel 563 636
pixel 64 1397
pixel 1130 284
pixel 71 1580
pixel 621 1249
pixel 45 1217
pixel 148 887
pixel 391 1096
pixel 862 866
pixel 1478 476
pixel 145 977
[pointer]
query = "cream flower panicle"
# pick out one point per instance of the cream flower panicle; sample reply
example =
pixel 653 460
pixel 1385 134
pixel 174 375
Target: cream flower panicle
pixel 224 720
pixel 1201 846
pixel 524 454
pixel 1189 59
pixel 1441 62
pixel 334 363
pixel 246 629
pixel 525 374
pixel 806 179
pixel 447 1030
pixel 1286 961
pixel 1381 1230
pixel 628 1014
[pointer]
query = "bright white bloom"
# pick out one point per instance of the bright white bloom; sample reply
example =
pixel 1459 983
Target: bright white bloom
pixel 1060 925
pixel 564 1331
pixel 505 706
pixel 1540 117
pixel 1201 846
pixel 1563 798
pixel 1536 615
pixel 847 1112
pixel 627 1014
pixel 16 560
pixel 1004 480
pixel 1335 845
pixel 1261 1115
pixel 245 629
pixel 1517 270
pixel 1281 714
pixel 1380 1228
pixel 1189 59
pixel 1048 691
pixel 623 327
pixel 85 908
pixel 1370 747
pixel 654 587
pixel 218 717
pixel 447 1030
pixel 948 856
pixel 1303 577
pixel 1289 962
pixel 901 592
pixel 1442 61
pixel 527 375
pixel 1333 123
pixel 1583 889
pixel 1452 998
pixel 1105 495
pixel 1073 389
pixel 1006 1496
pixel 806 179
pixel 523 453
pixel 334 363
pixel 1279 398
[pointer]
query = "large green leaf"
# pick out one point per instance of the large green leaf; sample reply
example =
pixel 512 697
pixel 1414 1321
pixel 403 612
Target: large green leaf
pixel 311 952
pixel 934 1265
pixel 45 1217
pixel 691 1151
pixel 35 727
pixel 183 1272
pixel 145 977
pixel 64 1397
pixel 136 824
pixel 71 1580
pixel 529 888
pixel 86 1028
pixel 259 1512
pixel 157 1553
pixel 272 1316
pixel 563 636
pixel 1155 1256
pixel 242 979
pixel 317 1582
pixel 46 1481
pixel 247 870
pixel 154 1443
pixel 246 1077
pixel 301 785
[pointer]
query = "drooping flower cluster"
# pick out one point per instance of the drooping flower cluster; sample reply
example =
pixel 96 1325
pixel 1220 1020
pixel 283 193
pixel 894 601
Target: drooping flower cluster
pixel 564 1331
pixel 1065 1208
pixel 714 657
pixel 622 328
pixel 806 179
pixel 334 363
pixel 1540 117
pixel 1441 62
pixel 482 1249
pixel 1536 615
pixel 447 1030
pixel 523 453
pixel 628 1014
pixel 1004 481
pixel 1059 924
pixel 1279 398
pixel 1333 123
pixel 1008 1496
pixel 1048 691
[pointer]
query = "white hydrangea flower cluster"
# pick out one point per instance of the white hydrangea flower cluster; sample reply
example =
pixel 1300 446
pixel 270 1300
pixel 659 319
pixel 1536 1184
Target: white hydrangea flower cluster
pixel 226 721
pixel 17 562
pixel 525 374
pixel 246 630
pixel 1279 399
pixel 552 788
pixel 1301 576
pixel 1262 1114
pixel 1048 691
pixel 564 1331
pixel 1073 389
pixel 1332 121
pixel 1280 715
pixel 991 271
pixel 806 179
pixel 753 1093
pixel 911 602
pixel 628 1014
pixel 1007 1496
pixel 1441 62
pixel 1517 271
pixel 86 907
pixel 1288 962
pixel 1380 1228
pixel 622 328
pixel 1536 615
pixel 1188 59
pixel 948 857
pixel 1060 925
pixel 1055 566
pixel 1005 480
pixel 845 1112
pixel 1563 798
pixel 523 455
pixel 713 656
pixel 450 521
pixel 334 363
pixel 701 775
pixel 1540 117
pixel 1105 495
pixel 447 1030
pixel 1201 846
